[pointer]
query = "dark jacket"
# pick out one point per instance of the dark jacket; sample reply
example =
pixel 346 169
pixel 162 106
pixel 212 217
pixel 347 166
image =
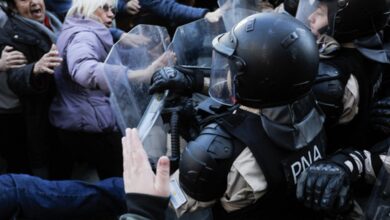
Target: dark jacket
pixel 144 206
pixel 58 7
pixel 169 9
pixel 34 92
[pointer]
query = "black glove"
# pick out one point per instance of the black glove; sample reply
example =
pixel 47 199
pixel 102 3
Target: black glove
pixel 380 116
pixel 175 80
pixel 325 185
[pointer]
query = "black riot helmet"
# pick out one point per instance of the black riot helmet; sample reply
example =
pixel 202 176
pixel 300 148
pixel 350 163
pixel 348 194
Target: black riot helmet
pixel 267 59
pixel 347 19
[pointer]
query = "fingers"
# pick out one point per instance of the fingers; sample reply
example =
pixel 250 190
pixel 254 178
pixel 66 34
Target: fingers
pixel 128 164
pixel 301 186
pixel 162 176
pixel 8 48
pixel 133 7
pixel 48 62
pixel 16 61
pixel 159 84
pixel 319 188
pixel 137 149
pixel 165 58
pixel 330 193
pixel 157 87
pixel 134 140
pixel 214 16
pixel 16 53
pixel 54 61
pixel 309 190
pixel 13 58
pixel 45 69
pixel 53 47
pixel 16 66
pixel 52 53
pixel 126 152
pixel 134 40
pixel 343 197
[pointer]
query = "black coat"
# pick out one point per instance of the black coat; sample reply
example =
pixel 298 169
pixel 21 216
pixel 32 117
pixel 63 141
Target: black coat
pixel 34 92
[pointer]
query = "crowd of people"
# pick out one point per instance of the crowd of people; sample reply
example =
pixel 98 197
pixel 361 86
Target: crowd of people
pixel 297 117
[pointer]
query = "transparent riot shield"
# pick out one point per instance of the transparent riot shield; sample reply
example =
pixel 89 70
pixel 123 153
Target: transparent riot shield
pixel 234 11
pixel 128 71
pixel 378 206
pixel 192 42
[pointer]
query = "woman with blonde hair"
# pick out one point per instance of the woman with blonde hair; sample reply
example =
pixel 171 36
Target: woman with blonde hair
pixel 81 110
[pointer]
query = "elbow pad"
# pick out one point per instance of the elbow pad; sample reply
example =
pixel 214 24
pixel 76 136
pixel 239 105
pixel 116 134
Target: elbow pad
pixel 205 163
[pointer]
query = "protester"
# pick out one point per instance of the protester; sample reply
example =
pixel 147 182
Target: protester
pixel 28 89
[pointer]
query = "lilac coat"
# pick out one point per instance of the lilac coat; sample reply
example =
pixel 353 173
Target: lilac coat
pixel 82 102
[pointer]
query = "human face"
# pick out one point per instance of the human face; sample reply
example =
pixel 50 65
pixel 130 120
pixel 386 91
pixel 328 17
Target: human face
pixel 33 9
pixel 318 19
pixel 105 14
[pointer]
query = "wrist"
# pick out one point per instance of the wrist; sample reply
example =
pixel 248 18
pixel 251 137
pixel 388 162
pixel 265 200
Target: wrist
pixel 35 70
pixel 151 207
pixel 3 66
pixel 351 160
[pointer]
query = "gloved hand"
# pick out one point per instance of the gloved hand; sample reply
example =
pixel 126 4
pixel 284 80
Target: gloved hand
pixel 380 116
pixel 325 185
pixel 174 80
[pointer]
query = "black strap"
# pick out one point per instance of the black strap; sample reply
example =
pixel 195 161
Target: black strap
pixel 247 127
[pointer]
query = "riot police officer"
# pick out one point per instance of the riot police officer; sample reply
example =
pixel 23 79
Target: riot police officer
pixel 249 159
pixel 346 86
pixel 350 70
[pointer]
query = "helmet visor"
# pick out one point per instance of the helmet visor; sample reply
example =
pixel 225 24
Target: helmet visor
pixel 221 80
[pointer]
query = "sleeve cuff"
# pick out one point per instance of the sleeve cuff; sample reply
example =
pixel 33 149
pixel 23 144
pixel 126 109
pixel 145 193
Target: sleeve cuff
pixel 151 207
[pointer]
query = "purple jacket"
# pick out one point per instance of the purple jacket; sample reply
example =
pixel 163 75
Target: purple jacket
pixel 81 102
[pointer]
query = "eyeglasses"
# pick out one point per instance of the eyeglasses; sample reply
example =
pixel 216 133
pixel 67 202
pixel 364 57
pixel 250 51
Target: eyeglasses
pixel 107 8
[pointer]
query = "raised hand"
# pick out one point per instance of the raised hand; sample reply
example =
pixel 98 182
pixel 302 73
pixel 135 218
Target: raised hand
pixel 48 62
pixel 133 7
pixel 138 175
pixel 214 16
pixel 134 40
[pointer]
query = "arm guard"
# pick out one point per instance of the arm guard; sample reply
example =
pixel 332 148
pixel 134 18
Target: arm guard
pixel 329 89
pixel 206 162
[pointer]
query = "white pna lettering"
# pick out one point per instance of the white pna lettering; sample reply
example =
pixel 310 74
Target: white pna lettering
pixel 304 162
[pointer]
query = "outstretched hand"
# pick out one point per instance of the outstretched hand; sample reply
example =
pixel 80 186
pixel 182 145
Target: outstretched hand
pixel 133 40
pixel 145 75
pixel 133 7
pixel 48 62
pixel 214 16
pixel 138 175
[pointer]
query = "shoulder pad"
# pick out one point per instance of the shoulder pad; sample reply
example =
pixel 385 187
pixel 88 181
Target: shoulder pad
pixel 329 89
pixel 205 163
pixel 328 72
pixel 211 107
